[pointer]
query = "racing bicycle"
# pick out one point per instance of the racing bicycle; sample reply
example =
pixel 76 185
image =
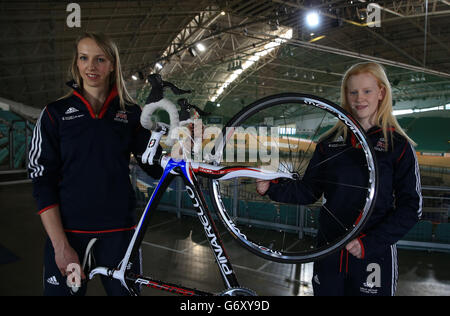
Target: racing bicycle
pixel 272 139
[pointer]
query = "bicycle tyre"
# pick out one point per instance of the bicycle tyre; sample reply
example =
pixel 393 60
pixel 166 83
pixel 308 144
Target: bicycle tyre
pixel 231 222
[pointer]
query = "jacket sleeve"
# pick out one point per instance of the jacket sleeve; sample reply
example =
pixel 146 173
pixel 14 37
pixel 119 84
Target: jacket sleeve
pixel 139 145
pixel 407 209
pixel 45 162
pixel 303 192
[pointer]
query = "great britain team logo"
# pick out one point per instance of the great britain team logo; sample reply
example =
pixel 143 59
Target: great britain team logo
pixel 121 116
pixel 381 145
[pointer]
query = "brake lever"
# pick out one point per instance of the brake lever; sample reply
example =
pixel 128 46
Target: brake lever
pixel 186 108
pixel 158 85
pixel 175 89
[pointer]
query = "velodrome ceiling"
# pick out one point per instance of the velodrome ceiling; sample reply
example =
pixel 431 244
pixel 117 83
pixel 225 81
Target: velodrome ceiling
pixel 412 42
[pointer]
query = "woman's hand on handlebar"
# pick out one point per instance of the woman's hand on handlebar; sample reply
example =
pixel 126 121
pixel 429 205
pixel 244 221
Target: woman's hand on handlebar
pixel 65 255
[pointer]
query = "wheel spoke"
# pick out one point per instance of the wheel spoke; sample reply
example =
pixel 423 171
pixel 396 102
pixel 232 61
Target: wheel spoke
pixel 288 232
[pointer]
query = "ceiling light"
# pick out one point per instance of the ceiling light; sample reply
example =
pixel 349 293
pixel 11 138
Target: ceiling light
pixel 282 37
pixel 138 75
pixel 315 39
pixel 192 51
pixel 312 19
pixel 201 47
pixel 158 66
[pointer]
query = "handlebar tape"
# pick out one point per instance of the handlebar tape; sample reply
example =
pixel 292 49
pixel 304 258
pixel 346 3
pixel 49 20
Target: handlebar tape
pixel 150 124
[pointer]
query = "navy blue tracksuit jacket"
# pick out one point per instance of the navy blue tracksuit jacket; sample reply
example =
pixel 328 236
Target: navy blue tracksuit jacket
pixel 398 204
pixel 80 161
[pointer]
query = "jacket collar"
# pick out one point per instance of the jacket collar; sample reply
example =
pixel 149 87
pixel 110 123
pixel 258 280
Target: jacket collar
pixel 77 92
pixel 377 129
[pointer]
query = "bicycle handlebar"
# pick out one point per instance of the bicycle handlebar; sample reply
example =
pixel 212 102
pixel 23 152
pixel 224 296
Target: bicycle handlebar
pixel 158 86
pixel 156 101
pixel 147 120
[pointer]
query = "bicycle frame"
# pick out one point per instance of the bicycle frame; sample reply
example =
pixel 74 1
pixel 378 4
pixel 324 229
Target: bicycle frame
pixel 187 171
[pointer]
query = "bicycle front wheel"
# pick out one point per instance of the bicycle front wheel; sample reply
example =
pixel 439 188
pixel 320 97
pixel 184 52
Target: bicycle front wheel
pixel 317 214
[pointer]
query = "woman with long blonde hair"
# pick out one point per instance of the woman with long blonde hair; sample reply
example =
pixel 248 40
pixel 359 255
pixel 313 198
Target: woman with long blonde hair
pixel 383 117
pixel 368 264
pixel 79 165
pixel 111 52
